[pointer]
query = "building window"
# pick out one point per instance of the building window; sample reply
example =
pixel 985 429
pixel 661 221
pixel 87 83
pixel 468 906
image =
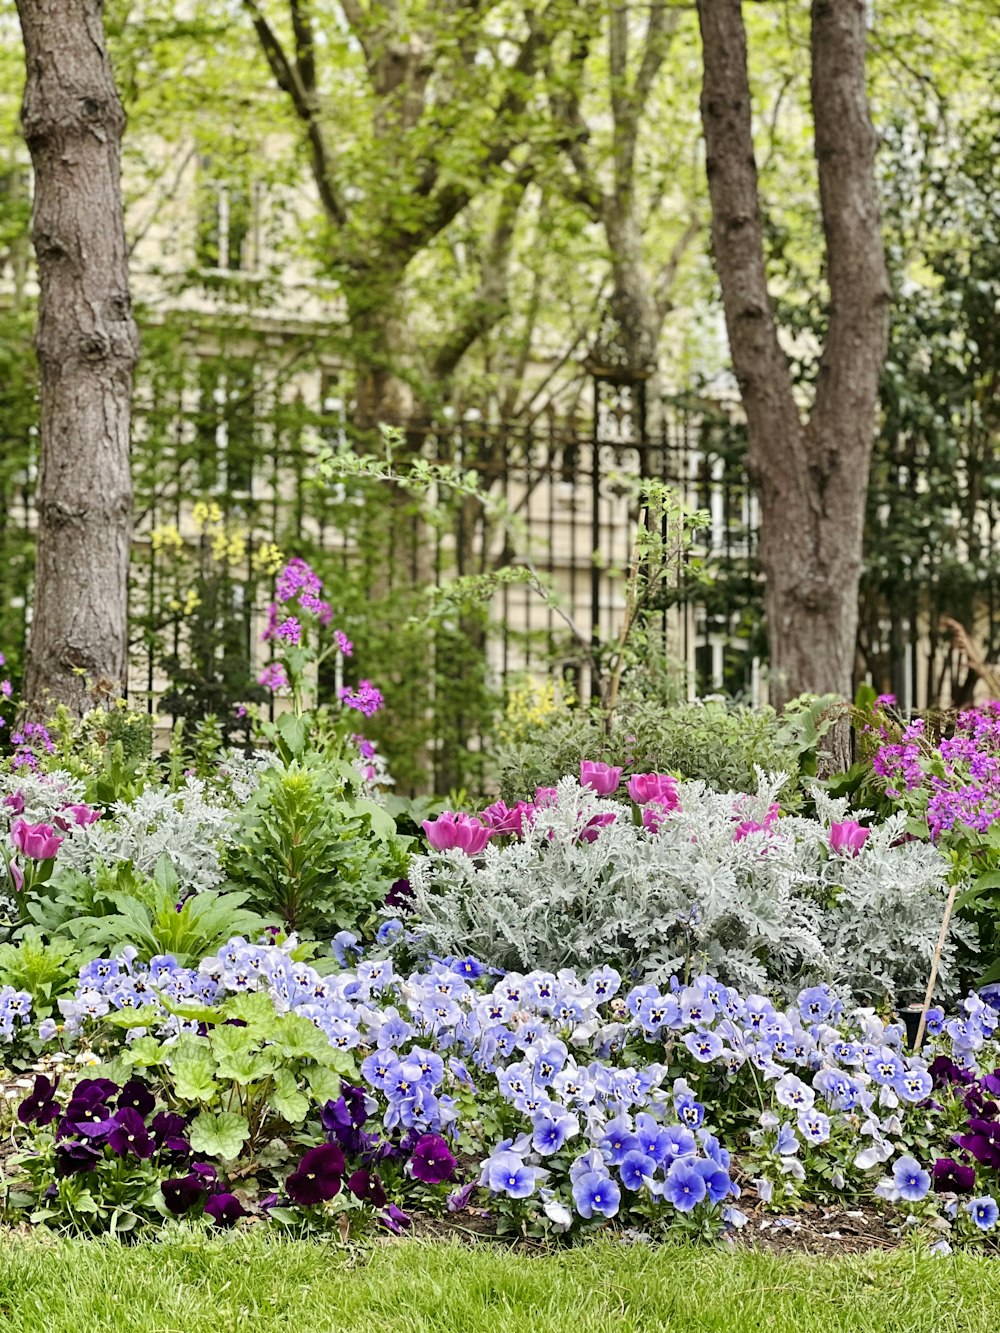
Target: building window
pixel 226 238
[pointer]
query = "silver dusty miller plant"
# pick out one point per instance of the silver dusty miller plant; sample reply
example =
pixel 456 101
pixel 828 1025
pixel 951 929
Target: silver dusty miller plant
pixel 182 825
pixel 777 908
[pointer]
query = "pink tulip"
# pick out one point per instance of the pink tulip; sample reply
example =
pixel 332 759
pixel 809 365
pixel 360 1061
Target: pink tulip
pixel 501 819
pixel 39 841
pixel 15 802
pixel 463 831
pixel 545 796
pixel 653 815
pixel 17 875
pixel 593 826
pixel 747 827
pixel 848 836
pixel 82 814
pixel 658 787
pixel 601 778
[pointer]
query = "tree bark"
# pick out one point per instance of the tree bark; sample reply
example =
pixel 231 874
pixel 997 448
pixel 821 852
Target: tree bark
pixel 87 347
pixel 811 475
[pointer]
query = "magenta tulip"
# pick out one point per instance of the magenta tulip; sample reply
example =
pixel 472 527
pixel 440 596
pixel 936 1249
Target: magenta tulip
pixel 593 826
pixel 502 819
pixel 82 814
pixel 848 836
pixel 37 841
pixel 658 787
pixel 601 778
pixel 463 831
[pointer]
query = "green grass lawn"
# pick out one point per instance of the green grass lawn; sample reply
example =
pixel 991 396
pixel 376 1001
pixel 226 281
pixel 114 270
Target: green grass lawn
pixel 253 1283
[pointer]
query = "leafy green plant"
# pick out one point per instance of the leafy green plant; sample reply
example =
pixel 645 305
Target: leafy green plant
pixel 123 907
pixel 312 851
pixel 46 969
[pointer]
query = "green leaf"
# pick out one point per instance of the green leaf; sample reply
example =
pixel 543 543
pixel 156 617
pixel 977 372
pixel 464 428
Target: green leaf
pixel 144 1052
pixel 324 1084
pixel 299 1039
pixel 286 1100
pixel 194 1077
pixel 293 731
pixel 221 1135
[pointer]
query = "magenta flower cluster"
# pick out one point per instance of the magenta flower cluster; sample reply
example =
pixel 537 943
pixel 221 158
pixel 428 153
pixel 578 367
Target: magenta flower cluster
pixel 959 777
pixel 655 794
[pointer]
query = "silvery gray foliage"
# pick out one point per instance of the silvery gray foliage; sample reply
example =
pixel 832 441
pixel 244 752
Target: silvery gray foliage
pixel 44 795
pixel 181 824
pixel 776 909
pixel 240 774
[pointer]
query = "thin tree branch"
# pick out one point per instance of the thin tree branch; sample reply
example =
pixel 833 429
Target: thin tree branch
pixel 288 77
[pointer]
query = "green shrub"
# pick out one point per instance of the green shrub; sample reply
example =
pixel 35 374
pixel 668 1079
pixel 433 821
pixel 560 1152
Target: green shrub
pixel 312 852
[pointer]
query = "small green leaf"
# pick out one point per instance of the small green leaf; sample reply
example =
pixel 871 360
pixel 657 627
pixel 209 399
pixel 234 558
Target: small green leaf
pixel 221 1135
pixel 298 1039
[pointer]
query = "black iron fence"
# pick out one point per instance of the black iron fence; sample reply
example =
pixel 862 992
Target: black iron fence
pixel 225 473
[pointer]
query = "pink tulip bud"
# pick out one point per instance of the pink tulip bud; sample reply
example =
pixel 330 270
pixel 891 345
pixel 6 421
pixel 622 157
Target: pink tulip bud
pixel 38 841
pixel 17 875
pixel 15 802
pixel 463 831
pixel 848 837
pixel 545 796
pixel 658 787
pixel 601 778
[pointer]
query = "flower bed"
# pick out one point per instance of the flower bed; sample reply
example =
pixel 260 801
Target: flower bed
pixel 254 1085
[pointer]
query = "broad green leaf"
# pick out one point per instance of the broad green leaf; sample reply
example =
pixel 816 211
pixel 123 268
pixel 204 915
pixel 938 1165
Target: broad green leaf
pixel 286 1100
pixel 221 1135
pixel 194 1077
pixel 297 1038
pixel 324 1084
pixel 293 731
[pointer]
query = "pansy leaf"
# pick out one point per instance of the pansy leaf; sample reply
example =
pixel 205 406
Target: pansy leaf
pixel 145 1017
pixel 286 1100
pixel 248 1066
pixel 221 1135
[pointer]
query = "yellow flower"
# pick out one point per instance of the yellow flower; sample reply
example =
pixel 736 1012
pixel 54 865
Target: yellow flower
pixel 191 602
pixel 237 548
pixel 166 537
pixel 204 513
pixel 267 559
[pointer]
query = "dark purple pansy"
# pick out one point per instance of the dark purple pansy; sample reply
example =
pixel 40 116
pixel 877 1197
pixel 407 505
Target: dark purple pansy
pixel 431 1160
pixel 182 1194
pixel 136 1094
pixel 944 1071
pixel 73 1156
pixel 367 1186
pixel 318 1176
pixel 40 1106
pixel 991 1082
pixel 225 1209
pixel 400 895
pixel 952 1177
pixel 167 1125
pixel 130 1135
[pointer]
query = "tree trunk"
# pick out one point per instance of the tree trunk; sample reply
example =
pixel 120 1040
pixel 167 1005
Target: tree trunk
pixel 812 478
pixel 87 347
